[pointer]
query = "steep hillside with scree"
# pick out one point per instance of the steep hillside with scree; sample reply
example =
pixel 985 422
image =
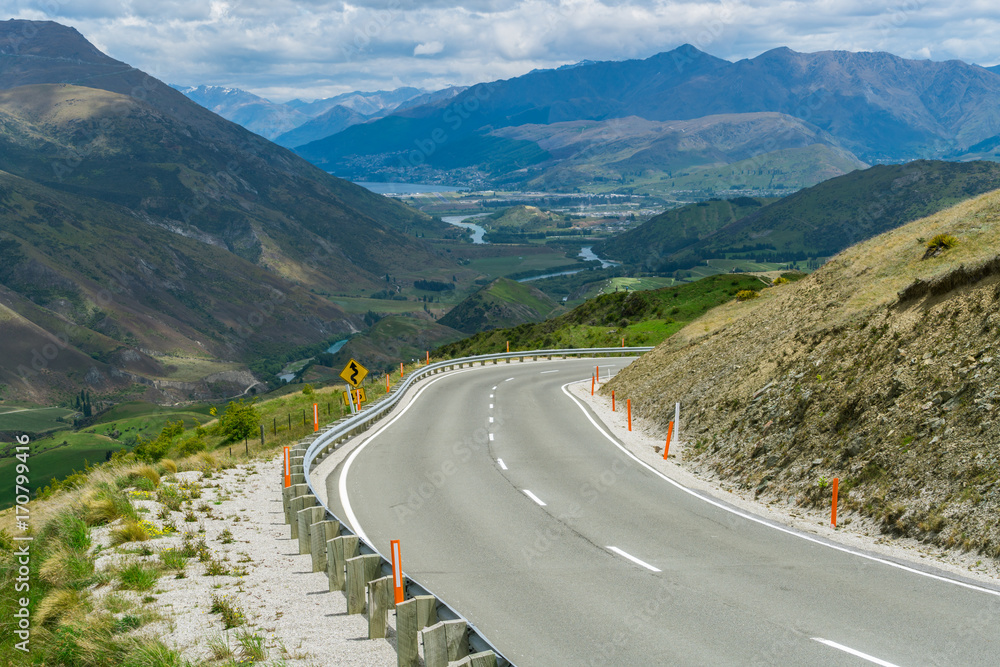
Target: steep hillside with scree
pixel 881 369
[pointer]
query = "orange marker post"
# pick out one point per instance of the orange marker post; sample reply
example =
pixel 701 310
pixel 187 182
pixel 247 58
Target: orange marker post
pixel 833 508
pixel 670 436
pixel 315 417
pixel 397 571
pixel 288 468
pixel 428 357
pixel 358 393
pixel 623 341
pixel 628 404
pixel 401 370
pixel 387 383
pixel 612 400
pixel 592 382
pixel 598 373
pixel 508 346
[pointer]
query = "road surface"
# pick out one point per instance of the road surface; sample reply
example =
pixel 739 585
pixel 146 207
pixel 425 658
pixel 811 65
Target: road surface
pixel 514 508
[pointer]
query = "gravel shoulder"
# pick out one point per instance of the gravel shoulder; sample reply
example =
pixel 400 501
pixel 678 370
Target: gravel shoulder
pixel 283 601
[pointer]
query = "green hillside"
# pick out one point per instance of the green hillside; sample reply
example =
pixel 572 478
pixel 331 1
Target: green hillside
pixel 642 318
pixel 675 230
pixel 502 303
pixel 815 222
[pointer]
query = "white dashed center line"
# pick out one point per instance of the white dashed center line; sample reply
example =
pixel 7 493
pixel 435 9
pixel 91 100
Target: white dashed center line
pixel 491 437
pixel 858 654
pixel 534 497
pixel 502 464
pixel 508 379
pixel 632 558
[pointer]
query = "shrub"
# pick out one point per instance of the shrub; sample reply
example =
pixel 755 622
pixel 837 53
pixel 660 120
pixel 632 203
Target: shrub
pixel 780 280
pixel 169 465
pixel 106 505
pixel 251 646
pixel 232 615
pixel 67 568
pixel 130 531
pixel 137 577
pixel 192 446
pixel 173 559
pixel 170 498
pixel 149 472
pixel 942 241
pixel 747 294
pixel 57 604
pixel 240 421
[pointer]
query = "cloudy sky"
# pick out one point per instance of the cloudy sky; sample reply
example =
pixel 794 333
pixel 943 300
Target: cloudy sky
pixel 318 48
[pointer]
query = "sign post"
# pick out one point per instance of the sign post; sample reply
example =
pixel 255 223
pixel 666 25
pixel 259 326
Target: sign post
pixel 397 572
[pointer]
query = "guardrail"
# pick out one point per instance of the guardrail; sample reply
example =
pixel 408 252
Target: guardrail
pixel 352 563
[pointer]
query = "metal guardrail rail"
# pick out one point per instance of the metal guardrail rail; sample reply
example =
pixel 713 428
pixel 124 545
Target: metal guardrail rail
pixel 327 440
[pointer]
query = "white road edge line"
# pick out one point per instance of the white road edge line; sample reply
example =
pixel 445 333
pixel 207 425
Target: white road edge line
pixel 750 517
pixel 534 497
pixel 494 388
pixel 508 379
pixel 544 372
pixel 848 649
pixel 634 559
pixel 349 514
pixel 502 464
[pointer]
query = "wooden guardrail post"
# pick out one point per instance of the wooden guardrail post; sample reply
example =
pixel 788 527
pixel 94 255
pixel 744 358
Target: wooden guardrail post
pixel 484 659
pixel 298 504
pixel 294 491
pixel 319 534
pixel 307 517
pixel 338 550
pixel 445 642
pixel 360 570
pixel 412 616
pixel 379 603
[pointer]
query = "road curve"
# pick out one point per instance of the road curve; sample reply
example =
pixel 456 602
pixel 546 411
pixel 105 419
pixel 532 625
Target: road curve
pixel 563 550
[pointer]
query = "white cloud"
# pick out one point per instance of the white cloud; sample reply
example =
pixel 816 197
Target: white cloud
pixel 312 48
pixel 428 48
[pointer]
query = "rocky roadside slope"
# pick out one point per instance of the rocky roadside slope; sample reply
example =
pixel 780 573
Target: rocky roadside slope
pixel 881 369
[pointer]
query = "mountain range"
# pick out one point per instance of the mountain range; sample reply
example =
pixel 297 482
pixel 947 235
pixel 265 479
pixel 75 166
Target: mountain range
pixel 298 122
pixel 868 107
pixel 148 244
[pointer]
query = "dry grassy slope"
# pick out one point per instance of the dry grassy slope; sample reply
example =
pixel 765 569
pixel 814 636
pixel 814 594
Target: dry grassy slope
pixel 841 376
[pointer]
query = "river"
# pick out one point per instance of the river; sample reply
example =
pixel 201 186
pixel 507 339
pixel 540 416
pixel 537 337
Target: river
pixel 587 254
pixel 477 231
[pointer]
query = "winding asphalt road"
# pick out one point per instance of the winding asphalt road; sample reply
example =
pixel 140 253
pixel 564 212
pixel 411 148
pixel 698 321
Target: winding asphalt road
pixel 515 508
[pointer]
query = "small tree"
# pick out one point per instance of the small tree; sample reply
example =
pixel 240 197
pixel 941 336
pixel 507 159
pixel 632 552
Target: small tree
pixel 308 390
pixel 240 420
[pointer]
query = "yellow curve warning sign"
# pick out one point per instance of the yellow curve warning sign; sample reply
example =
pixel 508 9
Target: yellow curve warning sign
pixel 354 373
